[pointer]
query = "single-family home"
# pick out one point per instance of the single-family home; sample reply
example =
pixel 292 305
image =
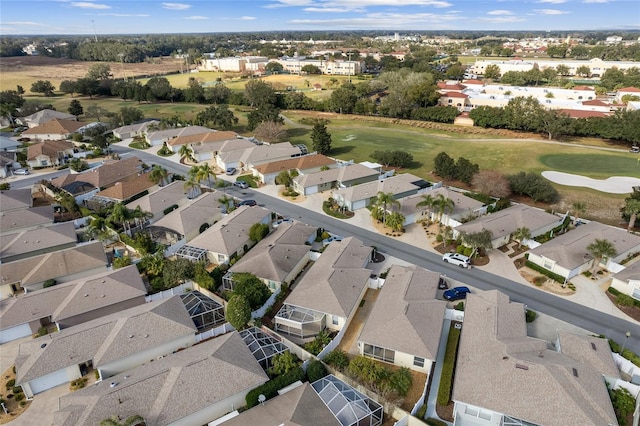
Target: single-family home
pixel 567 255
pixel 208 151
pixel 631 91
pixel 192 387
pixel 66 265
pixel 43 116
pixel 227 238
pixel 159 137
pixel 505 222
pixel 464 207
pixel 201 138
pixel 326 402
pixel 189 220
pixel 627 281
pixel 22 220
pixel 86 184
pixel 132 130
pixel 162 201
pixel 49 153
pixel 278 258
pixel 33 242
pixel 311 163
pixel 339 177
pixel 328 295
pixel 8 144
pixel 111 344
pixel 405 325
pixel 244 160
pixel 360 196
pixel 71 303
pixel 54 129
pixel 8 163
pixel 122 191
pixel 15 199
pixel 494 349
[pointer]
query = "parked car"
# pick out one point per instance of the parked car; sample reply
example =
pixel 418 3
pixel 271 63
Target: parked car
pixel 456 293
pixel 241 184
pixel 250 203
pixel 231 171
pixel 635 149
pixel 21 172
pixel 457 259
pixel 331 239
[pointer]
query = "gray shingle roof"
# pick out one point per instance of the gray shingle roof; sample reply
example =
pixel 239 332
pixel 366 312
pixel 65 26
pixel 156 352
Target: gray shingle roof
pixel 570 248
pixel 37 239
pixel 501 369
pixel 164 197
pixel 105 339
pixel 407 317
pixel 342 174
pixel 462 203
pixel 15 199
pixel 32 306
pixel 393 185
pixel 276 255
pixel 630 272
pixel 169 389
pixel 177 132
pixel 18 219
pixel 334 283
pixel 189 217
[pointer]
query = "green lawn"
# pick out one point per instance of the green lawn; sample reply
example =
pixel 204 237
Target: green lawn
pixel 600 164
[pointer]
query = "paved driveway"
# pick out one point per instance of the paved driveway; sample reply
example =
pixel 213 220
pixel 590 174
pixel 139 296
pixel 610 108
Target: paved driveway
pixel 41 410
pixel 9 351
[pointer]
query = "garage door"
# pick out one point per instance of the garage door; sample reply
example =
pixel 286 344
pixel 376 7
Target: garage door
pixel 49 381
pixel 311 190
pixel 14 333
pixel 360 204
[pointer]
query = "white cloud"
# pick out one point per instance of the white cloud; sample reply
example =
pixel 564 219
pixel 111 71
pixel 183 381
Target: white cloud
pixel 552 1
pixel 551 11
pixel 339 6
pixel 247 18
pixel 89 5
pixel 176 6
pixel 595 1
pixel 502 19
pixel 500 12
pixel 25 23
pixel 383 21
pixel 124 15
pixel 196 18
pixel 329 9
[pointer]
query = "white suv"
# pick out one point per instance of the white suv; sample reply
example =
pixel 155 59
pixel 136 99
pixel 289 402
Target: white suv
pixel 457 259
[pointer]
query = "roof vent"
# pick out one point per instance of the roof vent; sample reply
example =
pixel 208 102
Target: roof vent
pixel 131 336
pixel 103 281
pixel 42 346
pixel 522 367
pixel 102 295
pixel 505 357
pixel 86 295
pixel 593 346
pixel 113 384
pixel 575 372
pixel 540 354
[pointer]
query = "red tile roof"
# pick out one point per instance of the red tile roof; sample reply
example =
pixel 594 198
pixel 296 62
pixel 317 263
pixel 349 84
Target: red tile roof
pixel 455 95
pixel 446 86
pixel 624 89
pixel 596 102
pixel 582 88
pixel 578 113
pixel 468 82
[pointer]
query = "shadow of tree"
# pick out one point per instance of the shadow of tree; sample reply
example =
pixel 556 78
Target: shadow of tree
pixel 341 150
pixel 297 132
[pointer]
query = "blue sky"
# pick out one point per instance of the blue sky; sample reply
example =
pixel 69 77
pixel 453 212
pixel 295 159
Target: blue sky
pixel 203 16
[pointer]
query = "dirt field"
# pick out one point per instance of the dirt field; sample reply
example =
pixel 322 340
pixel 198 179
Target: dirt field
pixel 24 70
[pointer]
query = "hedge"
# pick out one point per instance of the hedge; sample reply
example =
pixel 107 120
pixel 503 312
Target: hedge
pixel 545 272
pixel 435 422
pixel 616 293
pixel 446 380
pixel 271 388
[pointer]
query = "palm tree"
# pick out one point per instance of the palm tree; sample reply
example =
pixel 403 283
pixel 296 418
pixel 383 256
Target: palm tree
pixel 632 208
pixel 185 151
pixel 385 201
pixel 227 202
pixel 428 202
pixel 205 172
pixel 601 249
pixel 395 221
pixel 520 235
pixel 192 187
pixel 579 208
pixel 158 175
pixel 134 420
pixel 444 205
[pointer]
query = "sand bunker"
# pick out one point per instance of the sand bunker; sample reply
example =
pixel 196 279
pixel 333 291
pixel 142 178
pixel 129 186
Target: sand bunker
pixel 612 185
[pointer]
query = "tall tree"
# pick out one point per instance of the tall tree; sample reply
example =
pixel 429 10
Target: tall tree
pixel 43 86
pixel 134 420
pixel 186 153
pixel 601 249
pixel 219 117
pixel 320 137
pixel 205 172
pixel 428 202
pixel 579 208
pixel 384 203
pixel 443 206
pixel 478 241
pixel 259 94
pixel 520 235
pixel 10 101
pixel 159 175
pixel 238 312
pixel 75 108
pixel 632 208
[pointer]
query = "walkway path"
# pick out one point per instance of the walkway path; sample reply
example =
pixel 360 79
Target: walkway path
pixel 437 372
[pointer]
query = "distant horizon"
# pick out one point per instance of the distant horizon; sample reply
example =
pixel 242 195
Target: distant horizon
pixel 118 17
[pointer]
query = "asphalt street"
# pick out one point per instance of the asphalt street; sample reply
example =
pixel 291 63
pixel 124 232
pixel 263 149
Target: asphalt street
pixel 562 309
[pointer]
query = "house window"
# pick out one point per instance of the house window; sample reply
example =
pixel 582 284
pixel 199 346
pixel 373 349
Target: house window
pixel 379 353
pixel 334 319
pixel 547 264
pixel 418 362
pixel 220 258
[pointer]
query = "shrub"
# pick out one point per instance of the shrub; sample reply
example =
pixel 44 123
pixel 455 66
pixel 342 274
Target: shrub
pixel 271 388
pixel 97 374
pixel 616 293
pixel 283 363
pixel 49 283
pixel 530 315
pixel 11 383
pixel 623 404
pixel 459 306
pixel 19 396
pixel 435 422
pixel 16 390
pixel 23 403
pixel 316 371
pixel 446 380
pixel 539 280
pixel 544 271
pixel 338 359
pixel 317 345
pixel 400 381
pixel 624 300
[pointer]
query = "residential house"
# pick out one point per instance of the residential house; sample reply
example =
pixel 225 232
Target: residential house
pixel 278 258
pixel 406 302
pixel 631 91
pixel 505 377
pixel 191 387
pixel 464 208
pixel 244 160
pixel 38 118
pixel 22 220
pixel 208 151
pixel 8 163
pixel 66 265
pixel 455 99
pixel 505 222
pixel 567 255
pixel 328 295
pixel 33 242
pixel 360 196
pixel 159 137
pixel 123 191
pixel 71 303
pixel 54 129
pixel 306 164
pixel 134 130
pixel 201 138
pixel 112 345
pixel 162 201
pixel 189 220
pixel 86 184
pixel 340 177
pixel 627 281
pixel 227 238
pixel 15 199
pixel 8 144
pixel 49 153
